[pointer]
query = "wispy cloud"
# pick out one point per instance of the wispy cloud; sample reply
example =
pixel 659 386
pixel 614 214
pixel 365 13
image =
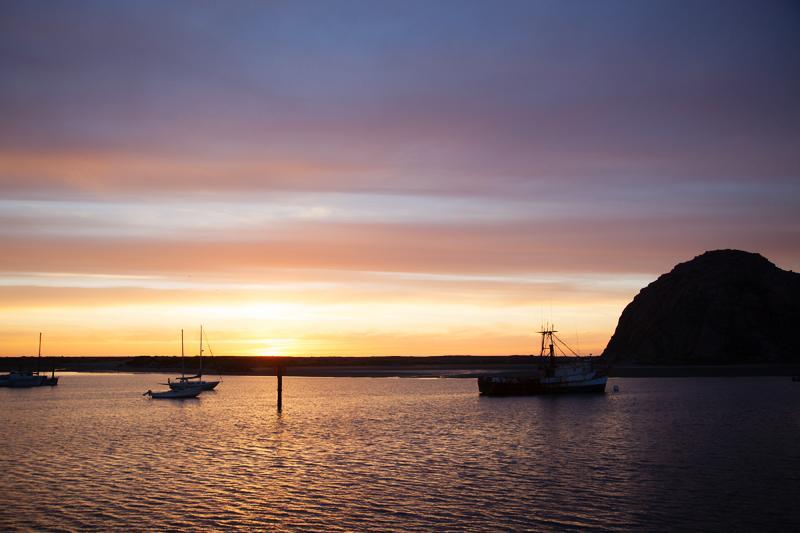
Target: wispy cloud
pixel 456 161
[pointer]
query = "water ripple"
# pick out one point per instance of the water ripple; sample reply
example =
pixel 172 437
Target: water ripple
pixel 380 454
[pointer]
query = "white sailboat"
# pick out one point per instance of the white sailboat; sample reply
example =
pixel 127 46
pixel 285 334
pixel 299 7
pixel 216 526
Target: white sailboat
pixel 189 391
pixel 23 379
pixel 185 381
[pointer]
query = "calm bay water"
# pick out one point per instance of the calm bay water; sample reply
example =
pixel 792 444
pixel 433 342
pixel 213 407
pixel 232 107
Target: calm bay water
pixel 362 453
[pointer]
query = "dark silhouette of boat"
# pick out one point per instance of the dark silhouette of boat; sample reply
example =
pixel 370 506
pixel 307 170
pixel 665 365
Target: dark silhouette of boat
pixel 185 386
pixel 175 394
pixel 23 379
pixel 190 382
pixel 549 376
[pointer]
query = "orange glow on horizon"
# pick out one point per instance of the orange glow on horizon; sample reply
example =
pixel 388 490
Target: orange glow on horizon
pixel 294 329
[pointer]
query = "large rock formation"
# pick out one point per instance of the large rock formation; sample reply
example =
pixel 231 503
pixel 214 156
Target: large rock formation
pixel 725 306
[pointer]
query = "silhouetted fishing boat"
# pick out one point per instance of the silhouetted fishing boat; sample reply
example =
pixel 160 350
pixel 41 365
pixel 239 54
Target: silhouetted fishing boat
pixel 184 381
pixel 549 376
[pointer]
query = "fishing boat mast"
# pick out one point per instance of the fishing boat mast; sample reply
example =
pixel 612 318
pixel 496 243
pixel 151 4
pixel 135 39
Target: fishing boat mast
pixel 548 342
pixel 551 341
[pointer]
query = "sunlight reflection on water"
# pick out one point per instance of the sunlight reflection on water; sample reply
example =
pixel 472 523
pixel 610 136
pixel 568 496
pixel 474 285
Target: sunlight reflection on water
pixel 355 453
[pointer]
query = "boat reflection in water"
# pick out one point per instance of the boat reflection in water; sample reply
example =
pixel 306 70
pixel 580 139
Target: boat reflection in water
pixel 550 376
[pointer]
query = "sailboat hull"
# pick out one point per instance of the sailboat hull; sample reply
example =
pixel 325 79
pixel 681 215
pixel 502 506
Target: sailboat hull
pixel 21 380
pixel 182 385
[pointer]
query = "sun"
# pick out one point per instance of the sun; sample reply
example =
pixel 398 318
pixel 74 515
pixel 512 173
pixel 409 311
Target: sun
pixel 274 347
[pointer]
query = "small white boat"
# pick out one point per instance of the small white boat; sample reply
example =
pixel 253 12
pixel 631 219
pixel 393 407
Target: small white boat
pixel 174 394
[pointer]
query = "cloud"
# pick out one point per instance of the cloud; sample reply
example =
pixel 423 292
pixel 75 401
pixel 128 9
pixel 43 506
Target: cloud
pixel 406 154
pixel 105 98
pixel 588 244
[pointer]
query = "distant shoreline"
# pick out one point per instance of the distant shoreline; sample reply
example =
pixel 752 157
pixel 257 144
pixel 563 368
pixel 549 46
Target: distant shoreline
pixel 434 366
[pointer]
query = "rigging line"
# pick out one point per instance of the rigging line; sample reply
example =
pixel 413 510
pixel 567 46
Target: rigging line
pixel 566 345
pixel 559 349
pixel 570 349
pixel 208 345
pixel 561 345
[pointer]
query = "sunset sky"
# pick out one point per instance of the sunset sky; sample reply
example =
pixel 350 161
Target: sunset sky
pixel 380 178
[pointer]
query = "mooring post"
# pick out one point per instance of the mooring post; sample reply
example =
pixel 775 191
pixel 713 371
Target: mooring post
pixel 279 373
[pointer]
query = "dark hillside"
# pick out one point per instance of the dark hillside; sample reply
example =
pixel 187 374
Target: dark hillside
pixel 722 307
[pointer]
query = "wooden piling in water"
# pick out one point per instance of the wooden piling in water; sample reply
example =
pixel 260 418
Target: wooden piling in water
pixel 279 373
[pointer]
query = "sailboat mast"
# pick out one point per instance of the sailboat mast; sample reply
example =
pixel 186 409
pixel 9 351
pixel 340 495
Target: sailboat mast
pixel 183 361
pixel 200 371
pixel 39 358
pixel 53 365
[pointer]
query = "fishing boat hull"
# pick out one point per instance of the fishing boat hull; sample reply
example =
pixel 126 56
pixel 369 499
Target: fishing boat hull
pixel 530 386
pixel 561 379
